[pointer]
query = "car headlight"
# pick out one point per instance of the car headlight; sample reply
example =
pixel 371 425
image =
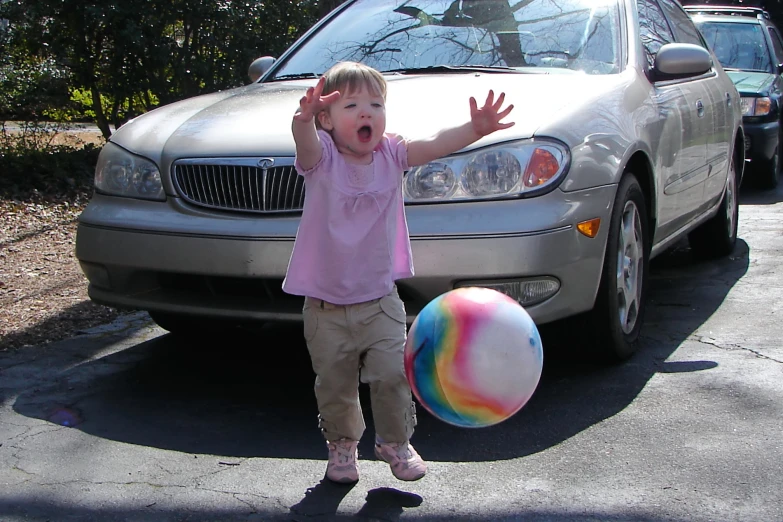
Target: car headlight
pixel 120 173
pixel 755 106
pixel 520 169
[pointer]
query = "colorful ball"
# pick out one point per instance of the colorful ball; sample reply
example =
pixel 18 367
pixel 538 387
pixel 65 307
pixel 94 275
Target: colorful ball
pixel 473 357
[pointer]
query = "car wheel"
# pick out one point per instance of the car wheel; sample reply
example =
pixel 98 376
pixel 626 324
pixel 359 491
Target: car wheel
pixel 769 176
pixel 717 237
pixel 619 310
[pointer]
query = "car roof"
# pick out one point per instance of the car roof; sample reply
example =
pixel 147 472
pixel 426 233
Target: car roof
pixel 728 14
pixel 731 10
pixel 725 19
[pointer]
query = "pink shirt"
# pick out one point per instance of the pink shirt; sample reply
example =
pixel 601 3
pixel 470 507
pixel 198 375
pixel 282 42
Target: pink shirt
pixel 352 243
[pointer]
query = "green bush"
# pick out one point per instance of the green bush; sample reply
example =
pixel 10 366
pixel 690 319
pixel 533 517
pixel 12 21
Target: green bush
pixel 28 87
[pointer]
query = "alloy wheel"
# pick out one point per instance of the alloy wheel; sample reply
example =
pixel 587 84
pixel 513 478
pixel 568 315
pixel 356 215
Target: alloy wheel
pixel 630 256
pixel 731 201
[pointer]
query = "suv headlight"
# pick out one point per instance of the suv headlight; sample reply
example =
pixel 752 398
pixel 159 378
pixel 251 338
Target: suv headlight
pixel 755 106
pixel 520 169
pixel 120 173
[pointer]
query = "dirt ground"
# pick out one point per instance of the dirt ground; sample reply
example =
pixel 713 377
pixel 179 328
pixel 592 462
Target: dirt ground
pixel 43 293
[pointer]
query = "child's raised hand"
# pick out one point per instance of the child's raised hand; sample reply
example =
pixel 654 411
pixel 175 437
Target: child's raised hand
pixel 486 120
pixel 312 102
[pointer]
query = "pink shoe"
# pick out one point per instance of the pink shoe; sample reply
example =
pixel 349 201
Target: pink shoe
pixel 342 466
pixel 405 463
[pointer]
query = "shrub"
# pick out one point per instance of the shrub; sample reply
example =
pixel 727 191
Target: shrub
pixel 37 161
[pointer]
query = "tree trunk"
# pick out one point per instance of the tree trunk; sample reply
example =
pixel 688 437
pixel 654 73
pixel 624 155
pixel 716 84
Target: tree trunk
pixel 326 6
pixel 100 117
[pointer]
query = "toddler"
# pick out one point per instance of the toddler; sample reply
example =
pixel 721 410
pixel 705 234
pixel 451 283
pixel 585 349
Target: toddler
pixel 351 247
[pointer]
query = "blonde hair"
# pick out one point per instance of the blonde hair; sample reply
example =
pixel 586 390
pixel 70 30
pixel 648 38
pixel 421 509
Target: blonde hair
pixel 349 77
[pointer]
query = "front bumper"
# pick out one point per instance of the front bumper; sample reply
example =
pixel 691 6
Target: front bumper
pixel 134 258
pixel 763 141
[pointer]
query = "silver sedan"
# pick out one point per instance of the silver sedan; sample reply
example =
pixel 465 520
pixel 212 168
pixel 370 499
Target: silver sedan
pixel 628 137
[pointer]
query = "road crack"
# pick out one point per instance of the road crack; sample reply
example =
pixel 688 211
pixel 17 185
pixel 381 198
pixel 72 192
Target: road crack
pixel 712 342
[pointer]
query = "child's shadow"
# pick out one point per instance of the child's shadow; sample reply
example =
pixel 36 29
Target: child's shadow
pixel 387 503
pixel 323 499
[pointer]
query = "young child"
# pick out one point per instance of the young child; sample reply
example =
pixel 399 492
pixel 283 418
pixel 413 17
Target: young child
pixel 351 247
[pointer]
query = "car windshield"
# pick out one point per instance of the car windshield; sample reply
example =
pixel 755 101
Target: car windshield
pixel 440 35
pixel 738 46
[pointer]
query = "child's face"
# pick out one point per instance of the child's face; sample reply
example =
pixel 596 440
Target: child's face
pixel 357 122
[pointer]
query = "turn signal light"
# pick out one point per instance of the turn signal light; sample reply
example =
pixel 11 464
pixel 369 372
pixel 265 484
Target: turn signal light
pixel 589 227
pixel 543 166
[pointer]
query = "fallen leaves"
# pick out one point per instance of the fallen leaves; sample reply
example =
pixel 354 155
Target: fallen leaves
pixel 43 293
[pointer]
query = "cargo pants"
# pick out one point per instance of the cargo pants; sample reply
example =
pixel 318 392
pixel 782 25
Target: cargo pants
pixel 363 341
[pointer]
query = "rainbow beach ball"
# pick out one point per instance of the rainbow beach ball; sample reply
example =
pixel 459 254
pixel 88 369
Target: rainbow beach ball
pixel 473 357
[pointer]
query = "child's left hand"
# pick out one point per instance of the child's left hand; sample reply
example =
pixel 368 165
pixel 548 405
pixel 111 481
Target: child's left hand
pixel 486 120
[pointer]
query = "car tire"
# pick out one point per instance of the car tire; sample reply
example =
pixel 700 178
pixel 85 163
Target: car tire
pixel 717 237
pixel 769 176
pixel 618 314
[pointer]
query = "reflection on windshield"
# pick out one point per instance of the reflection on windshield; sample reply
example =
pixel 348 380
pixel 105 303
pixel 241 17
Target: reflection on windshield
pixel 738 46
pixel 580 35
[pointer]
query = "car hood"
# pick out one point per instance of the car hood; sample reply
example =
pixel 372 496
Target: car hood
pixel 256 119
pixel 748 82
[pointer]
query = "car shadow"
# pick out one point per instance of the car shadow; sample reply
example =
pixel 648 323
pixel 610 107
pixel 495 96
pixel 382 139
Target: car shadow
pixel 750 194
pixel 381 504
pixel 250 394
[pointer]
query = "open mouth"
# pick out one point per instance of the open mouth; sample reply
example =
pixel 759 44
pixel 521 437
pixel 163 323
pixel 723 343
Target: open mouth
pixel 365 134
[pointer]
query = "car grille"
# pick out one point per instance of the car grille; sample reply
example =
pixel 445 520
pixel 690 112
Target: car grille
pixel 240 187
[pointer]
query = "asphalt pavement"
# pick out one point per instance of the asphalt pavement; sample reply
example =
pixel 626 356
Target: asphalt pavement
pixel 126 422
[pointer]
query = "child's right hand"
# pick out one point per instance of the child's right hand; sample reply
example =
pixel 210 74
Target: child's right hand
pixel 312 102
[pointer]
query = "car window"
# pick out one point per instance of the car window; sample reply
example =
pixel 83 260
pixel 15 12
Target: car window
pixel 682 25
pixel 738 45
pixel 777 44
pixel 580 35
pixel 654 30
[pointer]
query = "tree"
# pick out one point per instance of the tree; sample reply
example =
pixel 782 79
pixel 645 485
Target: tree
pixel 326 6
pixel 129 56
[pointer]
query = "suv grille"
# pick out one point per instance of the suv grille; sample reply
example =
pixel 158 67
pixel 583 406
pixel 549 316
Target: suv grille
pixel 241 188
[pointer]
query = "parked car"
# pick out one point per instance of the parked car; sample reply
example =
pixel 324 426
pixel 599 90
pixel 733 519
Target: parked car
pixel 750 49
pixel 627 138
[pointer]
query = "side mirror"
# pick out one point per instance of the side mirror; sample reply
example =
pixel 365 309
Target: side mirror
pixel 259 67
pixel 676 60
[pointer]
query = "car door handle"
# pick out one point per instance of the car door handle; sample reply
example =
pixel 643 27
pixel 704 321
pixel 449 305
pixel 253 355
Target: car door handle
pixel 700 108
pixel 728 100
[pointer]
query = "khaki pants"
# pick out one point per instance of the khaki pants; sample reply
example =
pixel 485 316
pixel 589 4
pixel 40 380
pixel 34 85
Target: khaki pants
pixel 360 341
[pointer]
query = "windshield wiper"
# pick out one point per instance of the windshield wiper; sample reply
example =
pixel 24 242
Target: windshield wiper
pixel 295 76
pixel 453 68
